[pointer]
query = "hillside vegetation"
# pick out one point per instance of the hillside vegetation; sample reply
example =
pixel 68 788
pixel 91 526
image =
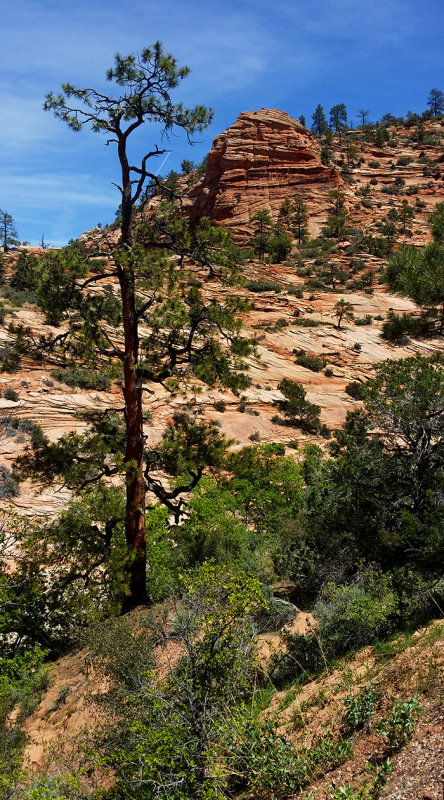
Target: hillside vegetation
pixel 222 476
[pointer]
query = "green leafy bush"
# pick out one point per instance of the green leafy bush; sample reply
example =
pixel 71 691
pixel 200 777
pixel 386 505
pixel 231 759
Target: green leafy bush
pixel 295 292
pixel 359 708
pixel 262 759
pixel 303 656
pixel 398 726
pixel 353 614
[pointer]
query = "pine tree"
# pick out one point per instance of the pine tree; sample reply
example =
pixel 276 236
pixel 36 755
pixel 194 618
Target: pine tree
pixel 298 220
pixel 263 227
pixel 152 292
pixel 319 125
pixel 8 233
pixel 338 119
pixel 435 102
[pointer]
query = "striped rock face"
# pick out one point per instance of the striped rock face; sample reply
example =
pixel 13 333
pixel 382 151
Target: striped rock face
pixel 264 158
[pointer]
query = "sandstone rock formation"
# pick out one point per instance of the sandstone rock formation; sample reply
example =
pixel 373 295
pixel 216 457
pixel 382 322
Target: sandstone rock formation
pixel 265 157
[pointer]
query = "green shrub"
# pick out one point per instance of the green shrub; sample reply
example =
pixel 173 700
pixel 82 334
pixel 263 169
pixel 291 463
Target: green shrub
pixel 356 390
pixel 263 286
pixel 397 327
pixel 314 363
pixel 303 657
pixel 359 708
pixel 314 283
pixel 365 320
pixel 280 323
pixel 220 405
pixel 354 614
pixel 262 759
pixel 398 726
pixel 404 161
pixel 295 292
pixel 83 378
pixel 304 322
pixel 11 394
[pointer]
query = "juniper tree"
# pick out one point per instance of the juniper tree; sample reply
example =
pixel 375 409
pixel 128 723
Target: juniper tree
pixel 183 329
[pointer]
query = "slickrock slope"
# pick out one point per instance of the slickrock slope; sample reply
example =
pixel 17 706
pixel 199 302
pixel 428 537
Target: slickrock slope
pixel 263 158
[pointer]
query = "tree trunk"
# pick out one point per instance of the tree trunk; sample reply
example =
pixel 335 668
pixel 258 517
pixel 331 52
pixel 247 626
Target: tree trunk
pixel 135 529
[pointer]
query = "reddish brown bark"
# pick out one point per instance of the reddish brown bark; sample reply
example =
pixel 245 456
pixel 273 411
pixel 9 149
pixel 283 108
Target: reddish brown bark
pixel 135 530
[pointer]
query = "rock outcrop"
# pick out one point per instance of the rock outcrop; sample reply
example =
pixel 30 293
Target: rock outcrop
pixel 265 157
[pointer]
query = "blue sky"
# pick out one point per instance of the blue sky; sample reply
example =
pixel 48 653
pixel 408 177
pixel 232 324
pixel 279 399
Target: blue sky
pixel 383 56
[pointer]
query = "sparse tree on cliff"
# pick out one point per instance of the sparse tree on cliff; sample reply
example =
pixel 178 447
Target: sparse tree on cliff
pixel 298 220
pixel 298 410
pixel 338 119
pixel 280 244
pixel 319 125
pixel 435 102
pixel 406 213
pixel 263 226
pixel 343 310
pixel 363 115
pixel 419 274
pixel 183 328
pixel 8 233
pixel 351 153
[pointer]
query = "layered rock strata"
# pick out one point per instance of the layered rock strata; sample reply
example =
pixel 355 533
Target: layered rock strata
pixel 265 157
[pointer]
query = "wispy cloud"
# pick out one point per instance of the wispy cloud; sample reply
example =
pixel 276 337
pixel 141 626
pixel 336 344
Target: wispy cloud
pixel 244 54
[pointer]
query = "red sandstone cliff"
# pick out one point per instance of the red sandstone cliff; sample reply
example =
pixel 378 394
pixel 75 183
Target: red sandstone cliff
pixel 263 158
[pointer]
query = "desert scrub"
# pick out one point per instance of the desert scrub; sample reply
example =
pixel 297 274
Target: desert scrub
pixel 82 378
pixel 8 483
pixel 356 390
pixel 11 394
pixel 367 319
pixel 263 286
pixel 314 363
